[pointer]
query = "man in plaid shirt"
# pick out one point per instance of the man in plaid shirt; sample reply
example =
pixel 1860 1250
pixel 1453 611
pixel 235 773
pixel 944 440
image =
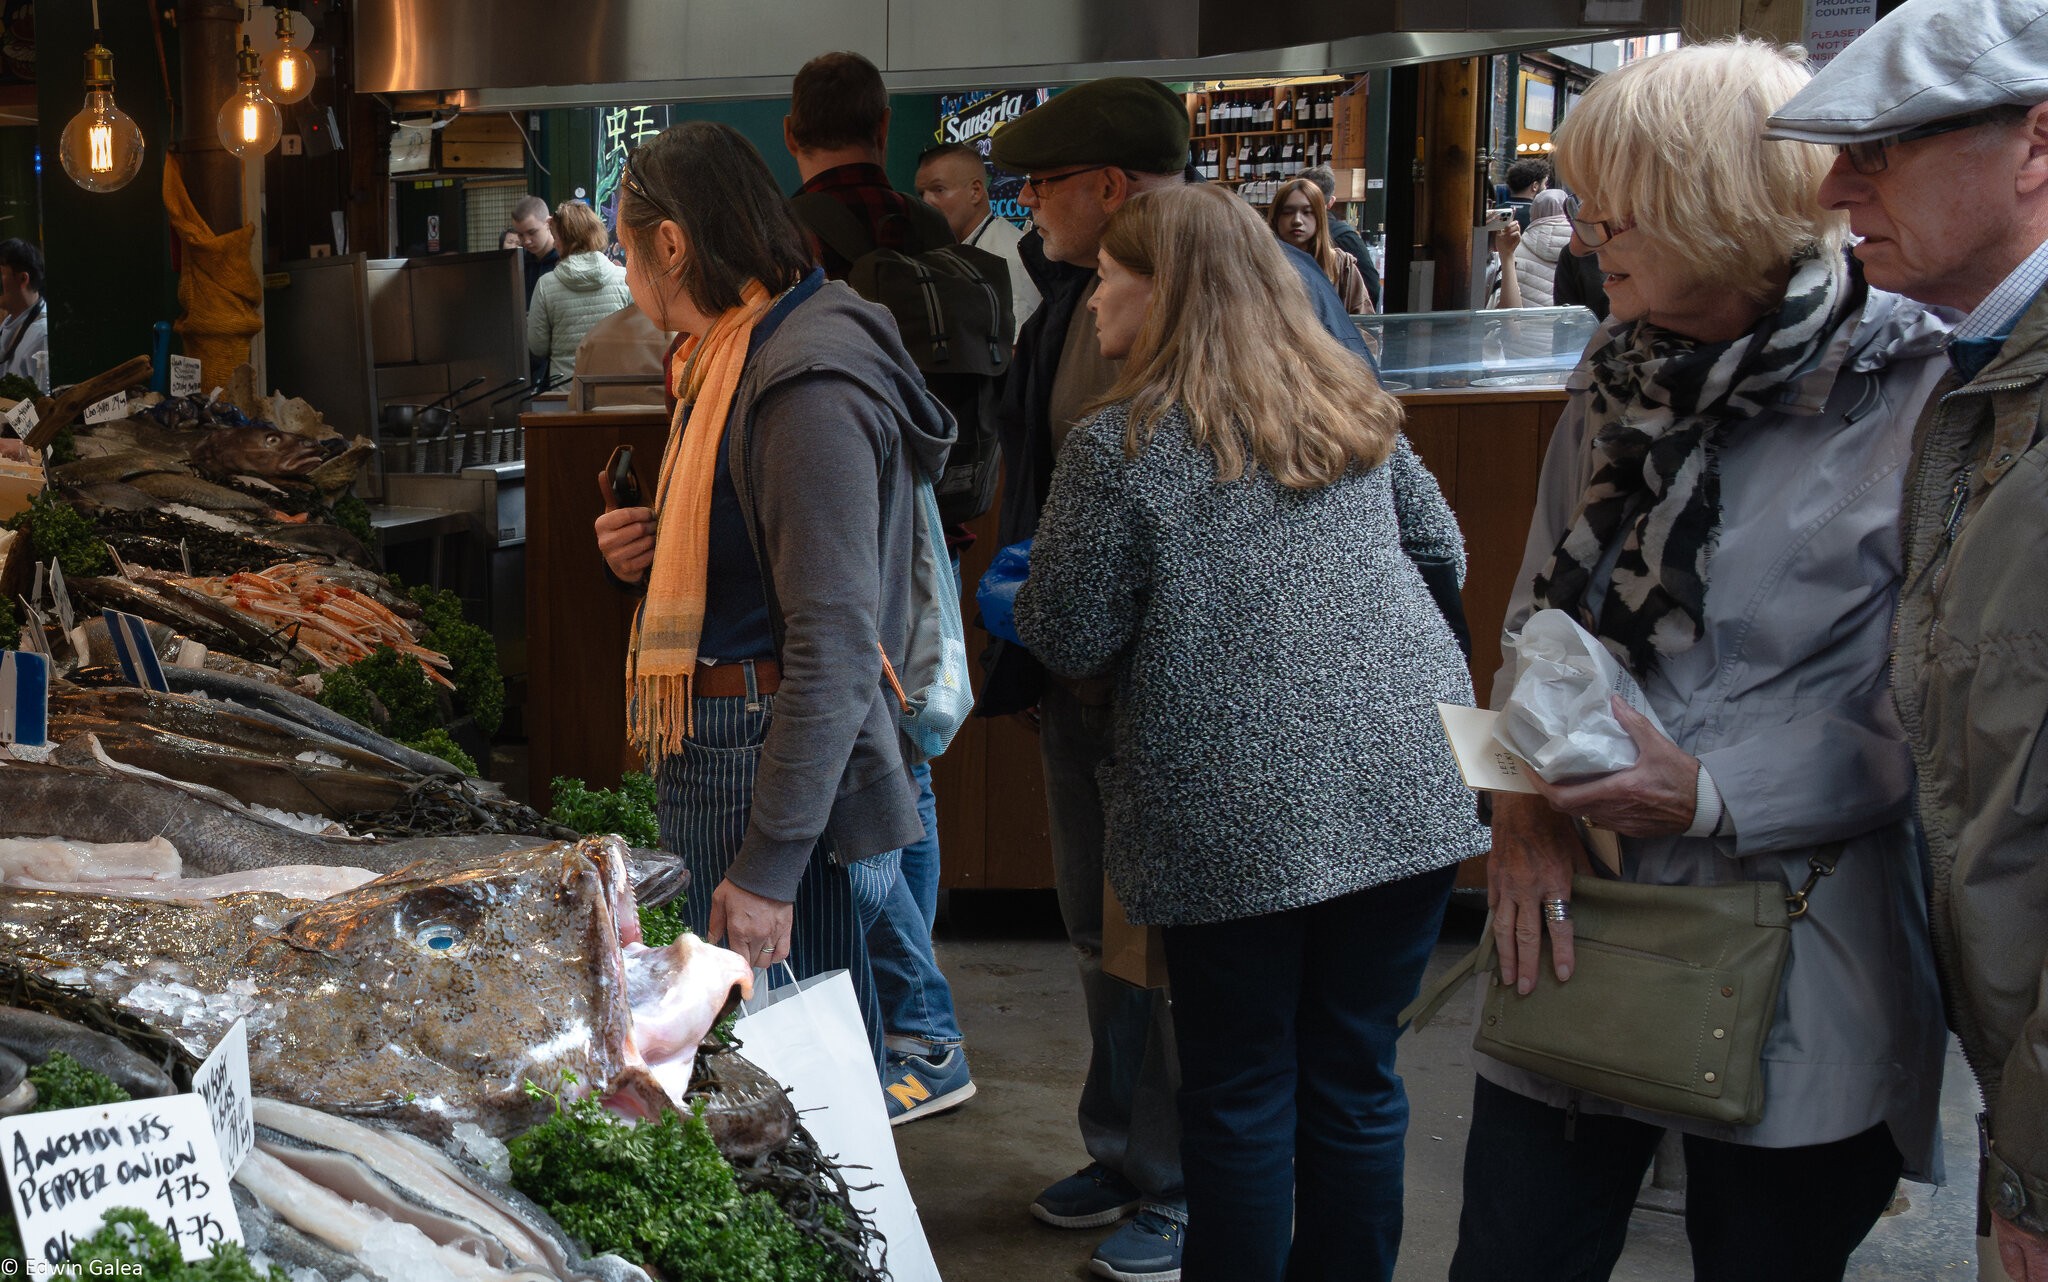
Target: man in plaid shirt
pixel 838 130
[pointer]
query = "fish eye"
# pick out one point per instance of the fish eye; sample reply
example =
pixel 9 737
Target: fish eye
pixel 439 937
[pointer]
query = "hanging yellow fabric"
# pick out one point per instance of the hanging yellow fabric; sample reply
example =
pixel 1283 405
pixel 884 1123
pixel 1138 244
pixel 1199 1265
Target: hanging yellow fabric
pixel 218 288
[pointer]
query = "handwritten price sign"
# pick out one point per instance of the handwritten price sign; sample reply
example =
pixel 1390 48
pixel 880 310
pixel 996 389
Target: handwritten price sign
pixel 66 1170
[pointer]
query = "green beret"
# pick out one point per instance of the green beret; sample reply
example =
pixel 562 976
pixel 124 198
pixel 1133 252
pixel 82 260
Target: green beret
pixel 1127 121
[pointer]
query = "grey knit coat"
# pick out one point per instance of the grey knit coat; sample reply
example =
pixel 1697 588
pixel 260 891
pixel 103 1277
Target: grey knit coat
pixel 1278 662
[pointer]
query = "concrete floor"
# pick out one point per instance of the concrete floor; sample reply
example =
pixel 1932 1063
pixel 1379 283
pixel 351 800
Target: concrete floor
pixel 974 1171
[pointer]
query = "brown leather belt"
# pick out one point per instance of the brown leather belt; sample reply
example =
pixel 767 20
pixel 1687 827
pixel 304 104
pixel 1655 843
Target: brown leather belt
pixel 729 680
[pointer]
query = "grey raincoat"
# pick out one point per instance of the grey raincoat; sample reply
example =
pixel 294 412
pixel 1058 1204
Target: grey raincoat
pixel 1784 701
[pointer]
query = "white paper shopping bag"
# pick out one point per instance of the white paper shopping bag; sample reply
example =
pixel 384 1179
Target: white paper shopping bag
pixel 809 1037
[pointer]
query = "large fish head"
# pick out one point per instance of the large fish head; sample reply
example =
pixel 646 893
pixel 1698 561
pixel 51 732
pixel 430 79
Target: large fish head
pixel 260 450
pixel 447 987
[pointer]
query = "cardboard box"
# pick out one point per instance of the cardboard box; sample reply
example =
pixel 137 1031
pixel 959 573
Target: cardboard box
pixel 1134 954
pixel 20 481
pixel 1349 125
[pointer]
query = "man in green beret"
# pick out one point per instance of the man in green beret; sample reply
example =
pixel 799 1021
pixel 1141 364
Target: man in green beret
pixel 1083 154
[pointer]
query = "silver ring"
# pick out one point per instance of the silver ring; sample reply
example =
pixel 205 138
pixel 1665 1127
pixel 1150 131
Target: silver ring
pixel 1557 910
pixel 768 950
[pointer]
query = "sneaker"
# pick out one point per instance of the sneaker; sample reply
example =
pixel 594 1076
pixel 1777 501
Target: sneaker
pixel 1088 1199
pixel 917 1088
pixel 1145 1250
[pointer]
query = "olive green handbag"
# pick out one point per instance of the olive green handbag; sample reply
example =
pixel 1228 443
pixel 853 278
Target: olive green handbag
pixel 1670 1000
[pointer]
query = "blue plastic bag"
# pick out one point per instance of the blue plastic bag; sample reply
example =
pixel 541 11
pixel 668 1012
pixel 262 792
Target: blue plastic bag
pixel 996 594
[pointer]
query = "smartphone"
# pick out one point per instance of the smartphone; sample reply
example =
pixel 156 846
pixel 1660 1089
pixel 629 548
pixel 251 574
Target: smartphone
pixel 624 481
pixel 1498 218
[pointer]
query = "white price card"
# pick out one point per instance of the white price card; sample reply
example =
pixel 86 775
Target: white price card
pixel 1483 762
pixel 223 1082
pixel 67 1169
pixel 24 698
pixel 22 418
pixel 115 406
pixel 184 376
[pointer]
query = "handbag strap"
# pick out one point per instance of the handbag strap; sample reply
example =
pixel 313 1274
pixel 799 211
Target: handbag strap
pixel 1432 999
pixel 1821 865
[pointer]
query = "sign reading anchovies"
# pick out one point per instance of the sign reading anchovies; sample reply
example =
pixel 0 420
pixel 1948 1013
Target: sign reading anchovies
pixel 24 698
pixel 223 1082
pixel 67 1169
pixel 184 376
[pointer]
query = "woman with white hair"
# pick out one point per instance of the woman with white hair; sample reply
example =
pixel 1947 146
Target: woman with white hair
pixel 1550 231
pixel 1720 506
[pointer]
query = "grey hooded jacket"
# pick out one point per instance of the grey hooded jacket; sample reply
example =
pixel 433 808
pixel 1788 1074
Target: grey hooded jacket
pixel 829 424
pixel 1784 700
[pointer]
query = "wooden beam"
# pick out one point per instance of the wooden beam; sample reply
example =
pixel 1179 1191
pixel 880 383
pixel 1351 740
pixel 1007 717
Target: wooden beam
pixel 1450 130
pixel 1781 20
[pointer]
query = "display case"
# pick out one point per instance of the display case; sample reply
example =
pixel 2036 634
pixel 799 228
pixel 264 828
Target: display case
pixel 1524 348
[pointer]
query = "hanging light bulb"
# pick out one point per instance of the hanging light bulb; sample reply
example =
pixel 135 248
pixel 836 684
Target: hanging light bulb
pixel 249 122
pixel 101 148
pixel 288 76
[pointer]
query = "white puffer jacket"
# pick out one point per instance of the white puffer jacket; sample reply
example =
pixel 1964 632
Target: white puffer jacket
pixel 581 291
pixel 1536 259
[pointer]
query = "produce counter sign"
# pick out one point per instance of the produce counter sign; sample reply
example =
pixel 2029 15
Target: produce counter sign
pixel 67 1169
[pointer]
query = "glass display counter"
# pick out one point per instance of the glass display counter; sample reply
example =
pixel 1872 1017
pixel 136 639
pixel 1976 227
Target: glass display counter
pixel 1524 348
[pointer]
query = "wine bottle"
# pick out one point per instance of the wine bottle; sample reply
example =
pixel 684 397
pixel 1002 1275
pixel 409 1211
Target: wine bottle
pixel 1201 116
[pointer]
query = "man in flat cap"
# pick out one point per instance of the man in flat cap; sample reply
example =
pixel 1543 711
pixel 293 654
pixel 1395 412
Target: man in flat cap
pixel 1083 154
pixel 1941 114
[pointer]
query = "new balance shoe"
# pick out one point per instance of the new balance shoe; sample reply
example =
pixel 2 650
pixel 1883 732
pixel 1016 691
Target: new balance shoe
pixel 1145 1250
pixel 1088 1199
pixel 917 1087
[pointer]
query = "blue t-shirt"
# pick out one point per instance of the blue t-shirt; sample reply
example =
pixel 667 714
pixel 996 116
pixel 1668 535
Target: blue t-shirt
pixel 736 624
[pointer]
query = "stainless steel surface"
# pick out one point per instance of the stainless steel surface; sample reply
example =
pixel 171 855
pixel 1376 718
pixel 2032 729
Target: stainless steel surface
pixel 391 311
pixel 648 51
pixel 317 328
pixel 1530 347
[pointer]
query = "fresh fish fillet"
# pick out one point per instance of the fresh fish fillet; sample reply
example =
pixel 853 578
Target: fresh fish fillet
pixel 58 860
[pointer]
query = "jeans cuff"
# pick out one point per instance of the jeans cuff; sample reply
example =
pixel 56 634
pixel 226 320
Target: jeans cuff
pixel 1177 1211
pixel 920 1046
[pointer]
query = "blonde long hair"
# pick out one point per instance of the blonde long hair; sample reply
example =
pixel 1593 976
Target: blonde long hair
pixel 1230 337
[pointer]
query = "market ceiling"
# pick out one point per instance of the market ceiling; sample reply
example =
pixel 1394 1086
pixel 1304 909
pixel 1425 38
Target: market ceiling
pixel 498 54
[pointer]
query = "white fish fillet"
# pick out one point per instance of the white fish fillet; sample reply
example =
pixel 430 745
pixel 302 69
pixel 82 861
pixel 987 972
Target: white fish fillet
pixel 294 881
pixel 385 1246
pixel 29 860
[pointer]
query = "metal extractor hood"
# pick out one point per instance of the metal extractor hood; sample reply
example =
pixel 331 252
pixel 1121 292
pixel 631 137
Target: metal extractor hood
pixel 505 54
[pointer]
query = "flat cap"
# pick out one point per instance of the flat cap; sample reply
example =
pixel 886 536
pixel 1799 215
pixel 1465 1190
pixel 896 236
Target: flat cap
pixel 1927 60
pixel 1127 121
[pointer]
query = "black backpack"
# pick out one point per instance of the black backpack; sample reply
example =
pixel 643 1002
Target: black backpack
pixel 952 307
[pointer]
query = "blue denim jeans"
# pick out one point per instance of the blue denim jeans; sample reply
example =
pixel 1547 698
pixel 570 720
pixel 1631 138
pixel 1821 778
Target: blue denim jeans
pixel 916 1000
pixel 1293 1121
pixel 703 795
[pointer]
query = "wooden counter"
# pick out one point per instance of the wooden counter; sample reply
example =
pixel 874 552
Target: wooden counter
pixel 1485 448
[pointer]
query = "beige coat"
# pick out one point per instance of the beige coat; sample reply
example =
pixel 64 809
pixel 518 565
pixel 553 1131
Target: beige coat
pixel 1971 686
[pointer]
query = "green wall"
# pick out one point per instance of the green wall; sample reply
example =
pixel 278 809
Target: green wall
pixel 568 144
pixel 107 256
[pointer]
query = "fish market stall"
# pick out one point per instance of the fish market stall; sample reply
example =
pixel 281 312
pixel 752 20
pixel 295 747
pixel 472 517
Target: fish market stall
pixel 479 1045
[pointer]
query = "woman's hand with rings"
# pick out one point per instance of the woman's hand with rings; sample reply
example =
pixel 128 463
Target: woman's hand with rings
pixel 1529 887
pixel 754 926
pixel 1655 797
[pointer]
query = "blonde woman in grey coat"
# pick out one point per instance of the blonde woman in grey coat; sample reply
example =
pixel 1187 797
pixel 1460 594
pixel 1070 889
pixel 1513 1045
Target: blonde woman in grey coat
pixel 1225 540
pixel 1720 507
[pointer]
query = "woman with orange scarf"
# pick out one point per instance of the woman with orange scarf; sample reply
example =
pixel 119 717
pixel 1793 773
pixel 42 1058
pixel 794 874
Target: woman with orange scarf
pixel 775 561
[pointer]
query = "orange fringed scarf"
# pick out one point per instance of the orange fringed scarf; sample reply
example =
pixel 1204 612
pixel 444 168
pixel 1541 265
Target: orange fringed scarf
pixel 663 657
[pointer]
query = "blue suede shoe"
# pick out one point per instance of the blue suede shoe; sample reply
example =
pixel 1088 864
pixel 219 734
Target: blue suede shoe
pixel 1145 1250
pixel 1088 1199
pixel 917 1087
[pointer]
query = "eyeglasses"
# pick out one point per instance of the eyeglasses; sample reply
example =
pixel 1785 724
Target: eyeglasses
pixel 1036 186
pixel 632 184
pixel 1869 157
pixel 1595 232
